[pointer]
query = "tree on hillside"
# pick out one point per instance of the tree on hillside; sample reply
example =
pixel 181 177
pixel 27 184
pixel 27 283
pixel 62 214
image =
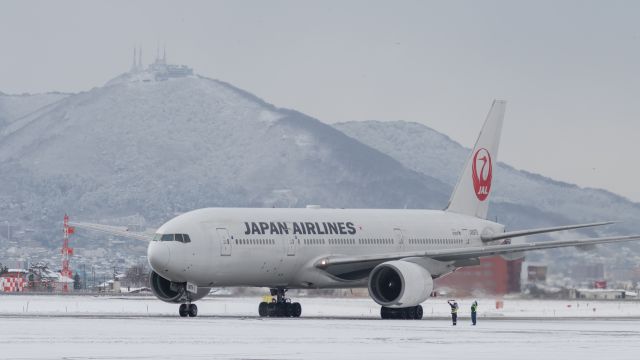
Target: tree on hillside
pixel 137 275
pixel 76 282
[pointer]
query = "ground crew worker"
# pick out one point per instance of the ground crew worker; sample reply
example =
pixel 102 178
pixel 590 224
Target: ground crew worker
pixel 474 310
pixel 454 311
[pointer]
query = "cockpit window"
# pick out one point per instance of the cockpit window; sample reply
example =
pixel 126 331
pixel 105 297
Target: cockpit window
pixel 183 238
pixel 167 237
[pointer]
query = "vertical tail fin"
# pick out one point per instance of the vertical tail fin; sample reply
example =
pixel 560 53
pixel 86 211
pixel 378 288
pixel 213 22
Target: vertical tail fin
pixel 471 194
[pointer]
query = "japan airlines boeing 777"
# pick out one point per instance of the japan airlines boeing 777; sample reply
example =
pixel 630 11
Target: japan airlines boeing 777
pixel 395 253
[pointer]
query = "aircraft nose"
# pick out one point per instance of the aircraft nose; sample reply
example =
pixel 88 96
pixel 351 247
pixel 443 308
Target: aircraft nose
pixel 158 255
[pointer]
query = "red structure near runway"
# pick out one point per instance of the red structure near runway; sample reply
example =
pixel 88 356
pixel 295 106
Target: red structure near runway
pixel 67 252
pixel 494 276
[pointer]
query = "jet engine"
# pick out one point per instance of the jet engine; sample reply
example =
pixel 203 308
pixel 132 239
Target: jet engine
pixel 173 292
pixel 400 284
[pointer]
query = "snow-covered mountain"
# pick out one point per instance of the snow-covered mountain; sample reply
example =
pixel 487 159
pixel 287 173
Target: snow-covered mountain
pixel 158 148
pixel 13 107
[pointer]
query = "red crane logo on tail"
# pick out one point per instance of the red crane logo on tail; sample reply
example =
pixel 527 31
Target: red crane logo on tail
pixel 482 171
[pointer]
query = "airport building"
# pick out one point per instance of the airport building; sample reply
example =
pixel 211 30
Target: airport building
pixel 14 280
pixel 38 278
pixel 494 276
pixel 603 294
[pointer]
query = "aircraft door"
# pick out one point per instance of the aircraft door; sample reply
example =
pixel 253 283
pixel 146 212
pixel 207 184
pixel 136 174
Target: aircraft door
pixel 465 236
pixel 291 246
pixel 225 241
pixel 399 238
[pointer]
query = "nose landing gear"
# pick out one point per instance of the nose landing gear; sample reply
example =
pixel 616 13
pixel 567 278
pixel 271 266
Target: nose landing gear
pixel 188 309
pixel 280 307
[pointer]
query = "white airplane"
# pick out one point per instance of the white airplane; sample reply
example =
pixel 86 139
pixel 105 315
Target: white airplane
pixel 395 253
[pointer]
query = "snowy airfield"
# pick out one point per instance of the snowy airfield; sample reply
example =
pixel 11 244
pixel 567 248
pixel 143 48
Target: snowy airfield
pixel 80 327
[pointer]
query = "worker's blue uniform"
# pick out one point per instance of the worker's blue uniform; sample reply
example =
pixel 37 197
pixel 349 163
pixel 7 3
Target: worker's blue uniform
pixel 474 310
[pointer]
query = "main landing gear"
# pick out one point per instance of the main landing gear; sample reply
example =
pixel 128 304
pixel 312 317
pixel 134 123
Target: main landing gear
pixel 281 307
pixel 188 309
pixel 408 313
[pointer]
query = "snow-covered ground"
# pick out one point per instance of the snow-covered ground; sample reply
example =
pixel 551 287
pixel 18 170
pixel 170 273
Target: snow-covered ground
pixel 76 327
pixel 311 307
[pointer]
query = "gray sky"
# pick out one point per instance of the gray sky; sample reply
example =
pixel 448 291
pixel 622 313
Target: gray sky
pixel 570 70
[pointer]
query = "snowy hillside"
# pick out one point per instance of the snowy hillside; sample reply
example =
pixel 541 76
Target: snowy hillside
pixel 161 148
pixel 427 151
pixel 13 107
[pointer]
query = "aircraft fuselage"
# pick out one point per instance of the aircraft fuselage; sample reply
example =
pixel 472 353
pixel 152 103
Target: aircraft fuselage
pixel 278 247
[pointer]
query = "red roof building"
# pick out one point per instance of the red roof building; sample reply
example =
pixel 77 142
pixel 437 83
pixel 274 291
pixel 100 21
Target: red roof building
pixel 494 276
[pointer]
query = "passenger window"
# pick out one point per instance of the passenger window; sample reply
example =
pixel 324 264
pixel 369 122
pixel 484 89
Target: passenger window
pixel 167 237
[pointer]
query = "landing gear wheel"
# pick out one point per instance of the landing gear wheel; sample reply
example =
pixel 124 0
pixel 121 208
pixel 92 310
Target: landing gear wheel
pixel 408 313
pixel 262 309
pixel 418 313
pixel 384 312
pixel 193 310
pixel 296 309
pixel 279 307
pixel 271 309
pixel 182 310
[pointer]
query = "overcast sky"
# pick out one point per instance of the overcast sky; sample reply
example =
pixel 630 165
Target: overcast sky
pixel 570 70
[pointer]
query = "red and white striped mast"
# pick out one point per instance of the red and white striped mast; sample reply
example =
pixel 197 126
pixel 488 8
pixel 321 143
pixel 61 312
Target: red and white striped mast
pixel 67 252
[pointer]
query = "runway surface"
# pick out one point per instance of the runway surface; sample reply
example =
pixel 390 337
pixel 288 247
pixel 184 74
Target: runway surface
pixel 64 337
pixel 103 328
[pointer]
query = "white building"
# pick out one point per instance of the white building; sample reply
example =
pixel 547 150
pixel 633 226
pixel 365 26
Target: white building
pixel 602 294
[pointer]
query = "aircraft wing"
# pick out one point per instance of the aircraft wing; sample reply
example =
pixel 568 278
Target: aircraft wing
pixel 370 261
pixel 113 230
pixel 512 234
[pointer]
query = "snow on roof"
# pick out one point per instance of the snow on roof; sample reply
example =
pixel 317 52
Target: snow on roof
pixel 17 271
pixel 64 279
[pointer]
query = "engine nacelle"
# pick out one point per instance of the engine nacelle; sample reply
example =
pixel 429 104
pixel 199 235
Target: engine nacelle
pixel 400 284
pixel 173 292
